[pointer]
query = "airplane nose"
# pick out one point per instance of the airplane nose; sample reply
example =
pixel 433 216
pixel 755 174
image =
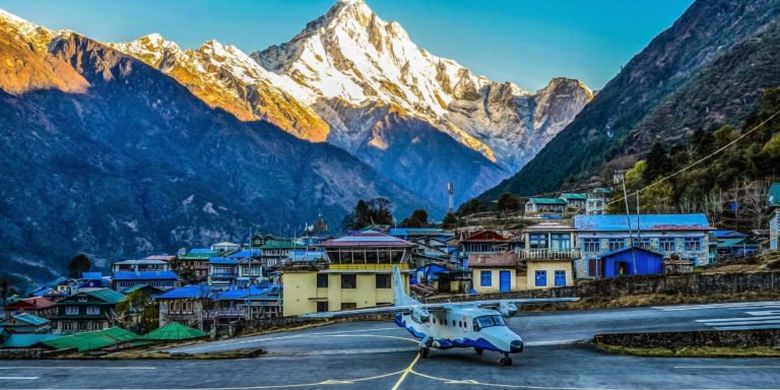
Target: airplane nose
pixel 516 346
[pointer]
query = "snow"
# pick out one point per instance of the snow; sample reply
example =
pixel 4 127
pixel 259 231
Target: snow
pixel 208 208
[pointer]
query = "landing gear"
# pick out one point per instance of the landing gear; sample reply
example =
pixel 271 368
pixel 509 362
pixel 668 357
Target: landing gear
pixel 424 352
pixel 505 361
pixel 479 351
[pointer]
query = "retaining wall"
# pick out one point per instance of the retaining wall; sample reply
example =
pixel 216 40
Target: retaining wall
pixel 706 338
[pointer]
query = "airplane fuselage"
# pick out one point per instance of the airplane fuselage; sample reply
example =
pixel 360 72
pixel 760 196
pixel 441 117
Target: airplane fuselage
pixel 458 327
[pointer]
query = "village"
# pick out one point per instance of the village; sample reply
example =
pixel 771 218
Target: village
pixel 220 290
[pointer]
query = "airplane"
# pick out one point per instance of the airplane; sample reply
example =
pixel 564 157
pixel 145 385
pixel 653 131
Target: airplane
pixel 474 324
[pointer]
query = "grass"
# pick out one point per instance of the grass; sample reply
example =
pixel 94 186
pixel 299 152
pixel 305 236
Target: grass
pixel 693 351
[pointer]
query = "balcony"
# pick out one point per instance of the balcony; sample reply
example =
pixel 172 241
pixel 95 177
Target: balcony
pixel 549 254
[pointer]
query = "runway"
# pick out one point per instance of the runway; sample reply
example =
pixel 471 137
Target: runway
pixel 378 355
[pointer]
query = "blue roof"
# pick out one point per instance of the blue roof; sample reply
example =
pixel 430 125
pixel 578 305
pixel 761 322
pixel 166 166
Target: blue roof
pixel 26 340
pixel 91 275
pixel 659 222
pixel 728 234
pixel 145 275
pixel 621 250
pixel 242 293
pixel 224 260
pixel 189 291
pixel 200 251
pixel 420 231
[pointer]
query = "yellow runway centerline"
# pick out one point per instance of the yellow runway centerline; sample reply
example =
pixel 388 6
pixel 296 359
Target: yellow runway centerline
pixel 406 372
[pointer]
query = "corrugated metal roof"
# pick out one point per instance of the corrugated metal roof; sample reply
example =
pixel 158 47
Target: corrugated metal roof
pixel 89 341
pixel 621 250
pixel 192 291
pixel 91 275
pixel 107 295
pixel 281 244
pixel 242 293
pixel 141 262
pixel 547 201
pixel 728 234
pixel 773 197
pixel 31 319
pixel 574 196
pixel 174 332
pixel 368 238
pixel 657 222
pixel 145 275
pixel 27 340
pixel 223 260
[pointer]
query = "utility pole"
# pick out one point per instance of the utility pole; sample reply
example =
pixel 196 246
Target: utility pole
pixel 620 175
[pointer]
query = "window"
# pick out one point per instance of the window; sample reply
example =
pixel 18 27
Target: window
pixel 541 278
pixel 453 323
pixel 72 310
pixel 591 245
pixel 537 240
pixel 382 281
pixel 348 305
pixel 67 326
pixel 666 244
pixel 82 299
pixel 322 307
pixel 322 280
pixel 486 278
pixel 487 321
pixel 643 243
pixel 560 241
pixel 93 310
pixel 616 243
pixel 348 281
pixel 692 244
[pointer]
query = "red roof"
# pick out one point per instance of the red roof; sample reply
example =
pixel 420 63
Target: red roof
pixel 367 239
pixel 31 303
pixel 484 236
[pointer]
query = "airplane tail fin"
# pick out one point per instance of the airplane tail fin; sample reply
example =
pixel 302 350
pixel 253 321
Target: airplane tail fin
pixel 400 297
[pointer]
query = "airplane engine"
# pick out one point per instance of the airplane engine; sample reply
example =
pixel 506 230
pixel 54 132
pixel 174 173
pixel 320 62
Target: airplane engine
pixel 420 315
pixel 507 309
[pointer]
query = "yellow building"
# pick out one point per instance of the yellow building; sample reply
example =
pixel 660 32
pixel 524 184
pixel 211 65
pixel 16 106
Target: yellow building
pixel 358 274
pixel 548 253
pixel 498 272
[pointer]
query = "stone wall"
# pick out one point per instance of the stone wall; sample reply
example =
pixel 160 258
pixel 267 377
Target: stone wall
pixel 18 354
pixel 707 338
pixel 693 284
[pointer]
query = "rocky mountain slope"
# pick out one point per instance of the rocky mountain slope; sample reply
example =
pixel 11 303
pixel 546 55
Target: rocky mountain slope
pixel 651 98
pixel 104 154
pixel 335 79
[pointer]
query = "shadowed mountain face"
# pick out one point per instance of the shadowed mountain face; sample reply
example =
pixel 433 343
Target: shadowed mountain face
pixel 118 160
pixel 701 72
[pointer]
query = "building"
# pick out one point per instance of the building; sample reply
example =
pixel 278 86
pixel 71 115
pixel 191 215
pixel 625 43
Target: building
pixel 142 265
pixel 92 280
pixel 686 236
pixel 575 201
pixel 358 274
pixel 87 310
pixel 545 205
pixel 223 271
pixel 164 280
pixel 193 266
pixel 276 252
pixel 222 247
pixel 25 323
pixel 432 244
pixel 773 203
pixel 185 305
pixel 630 261
pixel 596 203
pixel 497 272
pixel 484 242
pixel 248 303
pixel 38 306
pixel 548 252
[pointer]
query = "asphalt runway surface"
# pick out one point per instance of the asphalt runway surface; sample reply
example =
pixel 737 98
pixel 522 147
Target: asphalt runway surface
pixel 379 355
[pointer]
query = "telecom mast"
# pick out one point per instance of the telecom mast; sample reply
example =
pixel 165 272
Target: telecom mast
pixel 451 197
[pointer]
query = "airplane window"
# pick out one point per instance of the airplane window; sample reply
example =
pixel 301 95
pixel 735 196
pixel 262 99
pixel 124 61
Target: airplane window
pixel 453 323
pixel 488 321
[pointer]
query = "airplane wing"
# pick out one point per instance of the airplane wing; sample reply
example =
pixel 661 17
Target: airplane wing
pixel 432 307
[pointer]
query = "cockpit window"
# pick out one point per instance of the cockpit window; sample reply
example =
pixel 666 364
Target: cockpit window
pixel 488 321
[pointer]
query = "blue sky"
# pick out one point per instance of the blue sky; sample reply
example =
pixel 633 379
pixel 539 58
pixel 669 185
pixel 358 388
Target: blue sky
pixel 524 41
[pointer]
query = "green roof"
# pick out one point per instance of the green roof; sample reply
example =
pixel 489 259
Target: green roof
pixel 27 340
pixel 174 332
pixel 732 242
pixel 568 196
pixel 774 195
pixel 89 341
pixel 108 295
pixel 282 244
pixel 549 201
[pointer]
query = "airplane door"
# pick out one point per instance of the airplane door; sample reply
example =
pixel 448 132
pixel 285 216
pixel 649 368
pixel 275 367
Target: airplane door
pixel 505 281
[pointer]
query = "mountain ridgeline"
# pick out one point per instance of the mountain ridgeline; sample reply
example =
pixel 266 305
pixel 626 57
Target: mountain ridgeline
pixel 104 154
pixel 709 69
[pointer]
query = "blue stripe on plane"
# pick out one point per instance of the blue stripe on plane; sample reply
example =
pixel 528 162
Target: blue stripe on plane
pixel 447 343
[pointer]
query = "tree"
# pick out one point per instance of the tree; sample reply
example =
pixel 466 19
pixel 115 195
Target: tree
pixel 658 163
pixel 508 202
pixel 78 265
pixel 703 143
pixel 450 221
pixel 418 219
pixel 367 213
pixel 138 313
pixel 471 207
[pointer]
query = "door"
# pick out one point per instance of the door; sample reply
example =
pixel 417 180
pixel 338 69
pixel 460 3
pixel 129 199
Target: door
pixel 505 281
pixel 560 278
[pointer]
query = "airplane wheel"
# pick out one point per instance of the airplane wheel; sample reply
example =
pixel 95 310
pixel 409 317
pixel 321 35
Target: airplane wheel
pixel 505 362
pixel 479 351
pixel 424 352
